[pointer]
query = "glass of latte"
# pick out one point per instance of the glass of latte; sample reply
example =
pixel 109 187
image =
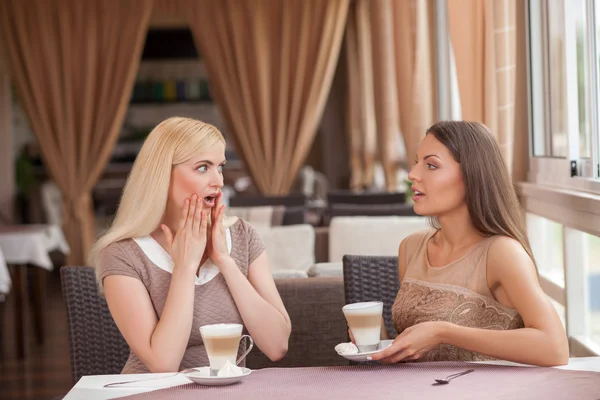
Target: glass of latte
pixel 364 321
pixel 222 342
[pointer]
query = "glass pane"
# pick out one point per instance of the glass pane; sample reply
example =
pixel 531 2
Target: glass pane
pixel 546 239
pixel 580 13
pixel 560 309
pixel 597 88
pixel 557 77
pixel 536 76
pixel 592 264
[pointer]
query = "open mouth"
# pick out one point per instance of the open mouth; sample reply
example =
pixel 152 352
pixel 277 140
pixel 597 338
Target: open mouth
pixel 210 200
pixel 418 195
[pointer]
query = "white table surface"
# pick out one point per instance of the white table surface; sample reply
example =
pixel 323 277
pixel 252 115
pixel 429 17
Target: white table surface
pixel 30 244
pixel 5 281
pixel 90 387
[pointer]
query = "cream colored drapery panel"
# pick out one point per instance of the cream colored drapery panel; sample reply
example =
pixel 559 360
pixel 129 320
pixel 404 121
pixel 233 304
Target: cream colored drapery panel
pixel 73 64
pixel 271 64
pixel 385 85
pixel 360 103
pixel 390 83
pixel 483 35
pixel 415 71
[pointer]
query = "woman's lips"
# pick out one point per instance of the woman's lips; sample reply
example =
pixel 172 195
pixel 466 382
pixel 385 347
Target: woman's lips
pixel 417 195
pixel 210 201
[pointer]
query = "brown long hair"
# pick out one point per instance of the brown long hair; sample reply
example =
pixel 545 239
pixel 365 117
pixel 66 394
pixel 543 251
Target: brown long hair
pixel 489 191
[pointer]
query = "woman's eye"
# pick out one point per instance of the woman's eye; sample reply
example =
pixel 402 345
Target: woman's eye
pixel 220 168
pixel 202 168
pixel 431 166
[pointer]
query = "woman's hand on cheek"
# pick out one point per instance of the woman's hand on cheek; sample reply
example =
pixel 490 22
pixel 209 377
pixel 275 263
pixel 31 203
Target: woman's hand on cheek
pixel 187 245
pixel 218 250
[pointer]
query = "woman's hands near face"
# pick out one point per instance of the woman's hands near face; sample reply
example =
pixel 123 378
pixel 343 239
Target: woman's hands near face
pixel 187 246
pixel 218 250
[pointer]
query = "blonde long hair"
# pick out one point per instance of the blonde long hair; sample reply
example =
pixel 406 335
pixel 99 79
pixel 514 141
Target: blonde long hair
pixel 174 141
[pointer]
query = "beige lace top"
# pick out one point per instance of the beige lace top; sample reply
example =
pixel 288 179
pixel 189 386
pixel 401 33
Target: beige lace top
pixel 457 293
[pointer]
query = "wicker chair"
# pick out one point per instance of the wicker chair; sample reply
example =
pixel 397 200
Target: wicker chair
pixel 97 346
pixel 372 278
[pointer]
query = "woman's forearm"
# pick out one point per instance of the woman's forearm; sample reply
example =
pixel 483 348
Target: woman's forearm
pixel 172 333
pixel 526 345
pixel 269 328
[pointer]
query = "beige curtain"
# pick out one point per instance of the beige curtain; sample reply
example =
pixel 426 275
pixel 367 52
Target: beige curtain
pixel 415 71
pixel 483 36
pixel 271 64
pixel 74 63
pixel 385 88
pixel 390 83
pixel 360 106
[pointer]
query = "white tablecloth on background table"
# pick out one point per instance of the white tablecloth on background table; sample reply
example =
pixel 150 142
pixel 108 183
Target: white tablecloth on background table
pixel 5 281
pixel 30 244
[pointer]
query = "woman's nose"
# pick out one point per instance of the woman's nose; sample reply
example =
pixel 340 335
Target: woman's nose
pixel 412 176
pixel 217 180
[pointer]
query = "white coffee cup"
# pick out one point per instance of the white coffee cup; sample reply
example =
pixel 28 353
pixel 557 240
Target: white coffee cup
pixel 221 342
pixel 364 321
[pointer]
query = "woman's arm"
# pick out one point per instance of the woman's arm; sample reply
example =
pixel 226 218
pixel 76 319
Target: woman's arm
pixel 159 344
pixel 542 342
pixel 260 305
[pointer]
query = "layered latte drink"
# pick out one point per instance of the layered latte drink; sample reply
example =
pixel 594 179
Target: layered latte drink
pixel 221 342
pixel 364 321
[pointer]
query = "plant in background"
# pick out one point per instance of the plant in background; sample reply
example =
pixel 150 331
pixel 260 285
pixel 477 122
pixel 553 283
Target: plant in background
pixel 409 192
pixel 25 174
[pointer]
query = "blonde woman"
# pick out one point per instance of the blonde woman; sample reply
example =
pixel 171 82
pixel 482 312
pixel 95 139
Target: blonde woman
pixel 170 264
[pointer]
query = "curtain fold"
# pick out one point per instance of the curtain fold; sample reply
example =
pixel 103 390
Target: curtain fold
pixel 271 64
pixel 385 84
pixel 360 107
pixel 391 91
pixel 483 35
pixel 415 72
pixel 73 64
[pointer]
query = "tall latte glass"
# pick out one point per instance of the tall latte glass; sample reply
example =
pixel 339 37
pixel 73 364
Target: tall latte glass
pixel 222 342
pixel 364 321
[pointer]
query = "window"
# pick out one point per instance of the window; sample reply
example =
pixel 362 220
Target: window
pixel 562 195
pixel 546 239
pixel 591 251
pixel 563 70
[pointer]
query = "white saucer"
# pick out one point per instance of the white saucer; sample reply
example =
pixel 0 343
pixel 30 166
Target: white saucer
pixel 202 376
pixel 361 357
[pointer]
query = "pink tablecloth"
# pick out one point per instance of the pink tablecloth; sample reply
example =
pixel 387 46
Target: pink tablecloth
pixel 400 381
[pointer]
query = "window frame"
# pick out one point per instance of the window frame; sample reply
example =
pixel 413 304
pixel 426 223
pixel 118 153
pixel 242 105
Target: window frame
pixel 572 172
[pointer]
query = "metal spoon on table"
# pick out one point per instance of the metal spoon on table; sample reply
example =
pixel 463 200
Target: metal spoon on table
pixel 450 377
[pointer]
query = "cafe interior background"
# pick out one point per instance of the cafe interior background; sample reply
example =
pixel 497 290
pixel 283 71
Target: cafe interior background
pixel 322 103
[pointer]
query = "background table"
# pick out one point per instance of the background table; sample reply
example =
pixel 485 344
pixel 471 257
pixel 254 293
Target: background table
pixel 23 246
pixel 5 281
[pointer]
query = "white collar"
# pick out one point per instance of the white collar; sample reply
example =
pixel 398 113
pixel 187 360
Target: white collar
pixel 162 259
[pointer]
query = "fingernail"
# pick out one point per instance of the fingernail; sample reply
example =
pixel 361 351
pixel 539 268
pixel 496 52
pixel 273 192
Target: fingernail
pixel 369 358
